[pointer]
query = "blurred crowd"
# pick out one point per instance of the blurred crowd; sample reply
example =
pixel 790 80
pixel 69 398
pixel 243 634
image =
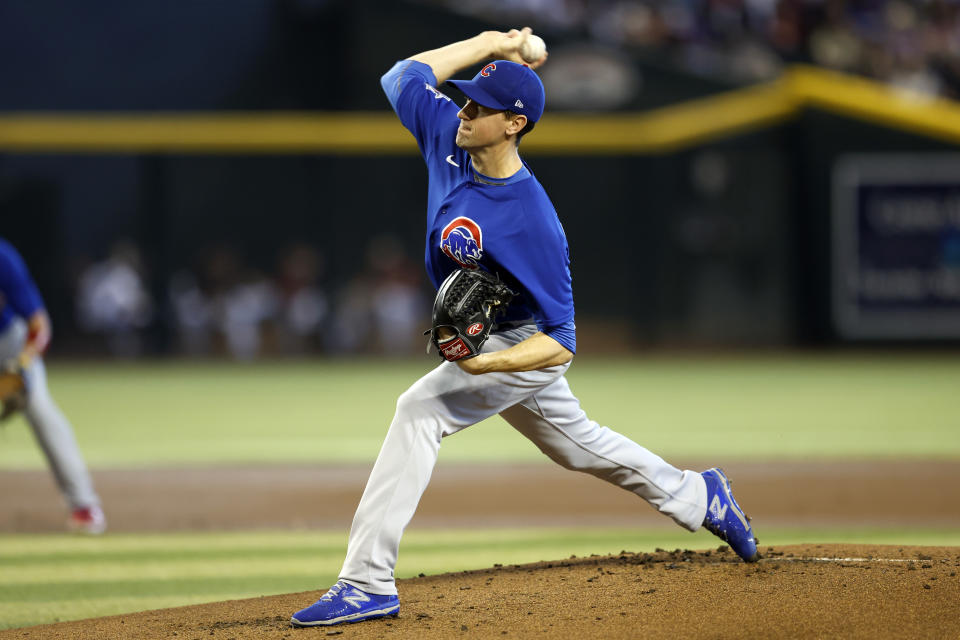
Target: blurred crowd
pixel 915 45
pixel 223 306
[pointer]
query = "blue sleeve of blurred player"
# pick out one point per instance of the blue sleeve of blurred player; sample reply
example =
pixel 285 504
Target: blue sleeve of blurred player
pixel 429 114
pixel 19 291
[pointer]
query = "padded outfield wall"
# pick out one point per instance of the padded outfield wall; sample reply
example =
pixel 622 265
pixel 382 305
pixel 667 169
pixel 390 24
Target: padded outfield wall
pixel 704 214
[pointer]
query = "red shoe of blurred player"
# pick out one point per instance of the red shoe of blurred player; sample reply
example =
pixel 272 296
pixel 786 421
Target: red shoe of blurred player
pixel 88 521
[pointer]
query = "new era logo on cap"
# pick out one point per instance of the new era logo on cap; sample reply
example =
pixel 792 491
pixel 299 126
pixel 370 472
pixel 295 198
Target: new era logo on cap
pixel 507 86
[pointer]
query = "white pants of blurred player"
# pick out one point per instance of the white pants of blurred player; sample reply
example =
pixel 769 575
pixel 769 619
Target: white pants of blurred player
pixel 50 427
pixel 538 404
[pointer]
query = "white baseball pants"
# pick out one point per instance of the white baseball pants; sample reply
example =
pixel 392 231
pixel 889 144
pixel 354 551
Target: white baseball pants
pixel 50 427
pixel 538 404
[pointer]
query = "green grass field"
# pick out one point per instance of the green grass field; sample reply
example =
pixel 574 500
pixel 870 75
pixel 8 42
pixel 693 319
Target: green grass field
pixel 134 415
pixel 152 415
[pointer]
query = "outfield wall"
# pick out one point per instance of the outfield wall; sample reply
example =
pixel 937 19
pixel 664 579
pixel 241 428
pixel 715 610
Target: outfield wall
pixel 717 205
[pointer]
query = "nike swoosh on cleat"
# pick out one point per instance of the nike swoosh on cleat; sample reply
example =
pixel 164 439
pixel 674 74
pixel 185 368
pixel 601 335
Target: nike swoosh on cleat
pixel 450 160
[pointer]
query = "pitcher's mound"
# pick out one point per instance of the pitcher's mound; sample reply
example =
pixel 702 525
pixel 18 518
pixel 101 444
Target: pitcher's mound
pixel 801 591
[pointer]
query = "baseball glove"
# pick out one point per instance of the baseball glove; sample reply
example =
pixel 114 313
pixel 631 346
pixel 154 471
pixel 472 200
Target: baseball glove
pixel 13 389
pixel 464 312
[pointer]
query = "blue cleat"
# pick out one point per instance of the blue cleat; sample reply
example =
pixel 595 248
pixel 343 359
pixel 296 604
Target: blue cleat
pixel 725 519
pixel 345 603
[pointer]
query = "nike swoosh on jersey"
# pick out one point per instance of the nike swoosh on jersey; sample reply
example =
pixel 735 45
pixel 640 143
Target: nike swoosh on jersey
pixel 450 160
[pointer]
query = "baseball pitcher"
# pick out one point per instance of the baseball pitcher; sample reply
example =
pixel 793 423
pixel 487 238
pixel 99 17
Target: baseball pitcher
pixel 486 212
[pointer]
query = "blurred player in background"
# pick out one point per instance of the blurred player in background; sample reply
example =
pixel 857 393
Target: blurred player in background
pixel 24 336
pixel 486 210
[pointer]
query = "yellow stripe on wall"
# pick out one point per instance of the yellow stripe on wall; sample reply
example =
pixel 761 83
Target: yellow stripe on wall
pixel 367 133
pixel 666 129
pixel 869 101
pixel 219 132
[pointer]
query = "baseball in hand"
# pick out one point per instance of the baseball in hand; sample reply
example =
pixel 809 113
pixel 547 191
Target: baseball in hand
pixel 533 48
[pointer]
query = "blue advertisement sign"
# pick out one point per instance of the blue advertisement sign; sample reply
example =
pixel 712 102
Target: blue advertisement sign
pixel 896 246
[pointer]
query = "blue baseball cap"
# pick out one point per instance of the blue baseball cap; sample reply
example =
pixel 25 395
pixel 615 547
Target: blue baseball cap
pixel 506 85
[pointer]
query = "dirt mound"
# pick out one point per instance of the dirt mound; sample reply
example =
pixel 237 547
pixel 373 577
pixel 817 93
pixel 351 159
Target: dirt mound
pixel 801 591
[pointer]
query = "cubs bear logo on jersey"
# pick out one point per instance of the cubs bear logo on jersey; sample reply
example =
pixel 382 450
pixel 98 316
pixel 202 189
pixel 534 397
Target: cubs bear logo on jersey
pixel 462 241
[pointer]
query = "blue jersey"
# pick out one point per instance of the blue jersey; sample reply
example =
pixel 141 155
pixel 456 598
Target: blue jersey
pixel 505 226
pixel 18 294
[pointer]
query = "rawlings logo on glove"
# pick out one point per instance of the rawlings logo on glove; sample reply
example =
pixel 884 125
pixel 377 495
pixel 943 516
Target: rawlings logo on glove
pixel 464 312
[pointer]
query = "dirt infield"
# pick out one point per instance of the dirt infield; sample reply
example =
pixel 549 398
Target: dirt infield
pixel 809 591
pixel 784 494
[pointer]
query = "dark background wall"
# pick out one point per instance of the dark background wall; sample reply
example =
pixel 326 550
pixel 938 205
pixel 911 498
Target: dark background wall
pixel 723 244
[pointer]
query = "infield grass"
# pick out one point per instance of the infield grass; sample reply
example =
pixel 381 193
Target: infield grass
pixel 50 578
pixel 722 407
